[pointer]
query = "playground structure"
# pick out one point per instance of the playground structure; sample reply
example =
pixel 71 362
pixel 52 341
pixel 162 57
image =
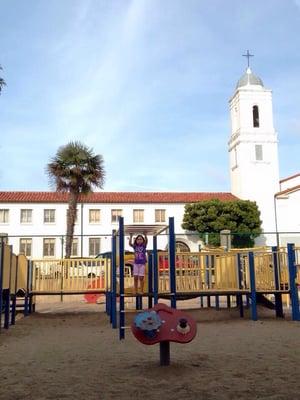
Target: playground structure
pixel 241 277
pixel 14 279
pixel 245 275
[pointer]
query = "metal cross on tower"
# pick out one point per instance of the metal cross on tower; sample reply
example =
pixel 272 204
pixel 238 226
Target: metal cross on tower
pixel 248 55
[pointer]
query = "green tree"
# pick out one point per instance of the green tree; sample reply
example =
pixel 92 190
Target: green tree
pixel 2 82
pixel 241 217
pixel 77 170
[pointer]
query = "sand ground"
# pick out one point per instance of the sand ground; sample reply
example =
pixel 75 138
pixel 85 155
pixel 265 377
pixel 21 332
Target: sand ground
pixel 59 354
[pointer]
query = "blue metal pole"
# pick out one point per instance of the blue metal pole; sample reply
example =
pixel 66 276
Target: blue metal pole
pixel 207 279
pixel 207 267
pixel 1 279
pixel 121 267
pixel 172 261
pixel 150 280
pixel 278 297
pixel 247 300
pixel 208 299
pixel 155 270
pixel 110 307
pixel 239 296
pixel 6 295
pixel 292 282
pixel 31 305
pixel 228 301
pixel 107 302
pixel 252 286
pixel 107 289
pixel 14 300
pixel 114 282
pixel 27 294
pixel 8 310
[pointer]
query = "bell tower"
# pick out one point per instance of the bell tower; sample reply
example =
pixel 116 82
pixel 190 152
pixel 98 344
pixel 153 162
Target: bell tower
pixel 253 147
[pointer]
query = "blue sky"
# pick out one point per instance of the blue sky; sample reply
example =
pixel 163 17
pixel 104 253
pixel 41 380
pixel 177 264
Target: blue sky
pixel 145 83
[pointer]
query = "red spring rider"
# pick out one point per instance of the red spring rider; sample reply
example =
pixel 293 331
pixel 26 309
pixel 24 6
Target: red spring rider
pixel 162 324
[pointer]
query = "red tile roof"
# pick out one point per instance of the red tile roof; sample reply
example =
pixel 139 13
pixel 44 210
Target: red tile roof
pixel 115 197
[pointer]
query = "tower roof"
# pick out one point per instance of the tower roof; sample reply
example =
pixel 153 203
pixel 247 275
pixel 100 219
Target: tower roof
pixel 249 79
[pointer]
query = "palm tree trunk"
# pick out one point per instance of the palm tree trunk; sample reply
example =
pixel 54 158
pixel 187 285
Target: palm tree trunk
pixel 71 218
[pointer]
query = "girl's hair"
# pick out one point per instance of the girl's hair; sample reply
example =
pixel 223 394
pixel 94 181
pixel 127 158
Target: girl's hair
pixel 139 236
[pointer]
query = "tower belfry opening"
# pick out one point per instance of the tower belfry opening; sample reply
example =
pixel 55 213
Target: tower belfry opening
pixel 255 113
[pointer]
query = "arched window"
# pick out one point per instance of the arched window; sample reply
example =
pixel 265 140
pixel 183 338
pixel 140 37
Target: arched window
pixel 181 247
pixel 255 114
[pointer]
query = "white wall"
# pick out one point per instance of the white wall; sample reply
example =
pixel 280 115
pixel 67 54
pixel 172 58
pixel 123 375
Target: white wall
pixel 251 179
pixel 288 216
pixel 16 230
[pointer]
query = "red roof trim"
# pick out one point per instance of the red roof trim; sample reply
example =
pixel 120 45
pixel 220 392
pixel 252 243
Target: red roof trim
pixel 116 197
pixel 289 190
pixel 289 177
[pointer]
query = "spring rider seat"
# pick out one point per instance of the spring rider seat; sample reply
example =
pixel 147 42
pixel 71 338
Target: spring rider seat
pixel 162 324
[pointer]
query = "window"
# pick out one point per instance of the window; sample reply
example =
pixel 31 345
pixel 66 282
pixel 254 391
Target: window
pixel 26 216
pixel 25 246
pixel 49 247
pixel 4 214
pixel 258 152
pixel 74 250
pixel 115 214
pixel 94 246
pixel 182 247
pixel 255 114
pixel 49 216
pixel 94 216
pixel 160 215
pixel 138 215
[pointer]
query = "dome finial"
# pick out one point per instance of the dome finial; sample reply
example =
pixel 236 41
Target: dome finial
pixel 248 55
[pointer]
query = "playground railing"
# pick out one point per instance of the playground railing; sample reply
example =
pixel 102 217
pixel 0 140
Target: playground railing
pixel 203 272
pixel 264 271
pixel 70 275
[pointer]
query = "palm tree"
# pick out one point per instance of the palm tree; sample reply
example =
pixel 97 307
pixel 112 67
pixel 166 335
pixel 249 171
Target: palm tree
pixel 2 81
pixel 76 170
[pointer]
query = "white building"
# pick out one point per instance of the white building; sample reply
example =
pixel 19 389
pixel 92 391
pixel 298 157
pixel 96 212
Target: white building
pixel 287 202
pixel 36 221
pixel 254 168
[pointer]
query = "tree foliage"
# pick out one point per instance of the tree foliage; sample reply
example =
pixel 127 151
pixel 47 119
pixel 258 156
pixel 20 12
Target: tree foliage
pixel 2 82
pixel 241 217
pixel 77 170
